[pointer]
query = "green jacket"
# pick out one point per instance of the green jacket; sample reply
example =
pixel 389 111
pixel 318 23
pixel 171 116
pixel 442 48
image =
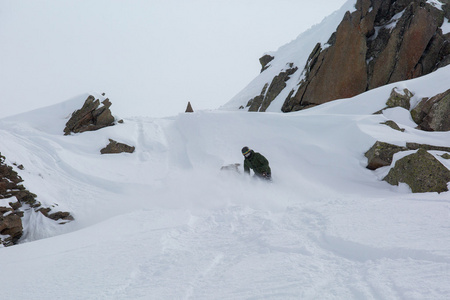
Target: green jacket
pixel 257 162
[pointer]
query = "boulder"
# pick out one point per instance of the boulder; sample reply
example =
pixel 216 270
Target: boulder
pixel 399 98
pixel 264 60
pixel 11 228
pixel 381 42
pixel 421 171
pixel 381 155
pixel 115 147
pixel 432 114
pixel 90 117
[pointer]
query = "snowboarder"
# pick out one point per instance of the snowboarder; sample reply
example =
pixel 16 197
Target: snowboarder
pixel 257 162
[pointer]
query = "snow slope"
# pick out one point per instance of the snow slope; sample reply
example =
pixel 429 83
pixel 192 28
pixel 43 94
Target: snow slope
pixel 166 223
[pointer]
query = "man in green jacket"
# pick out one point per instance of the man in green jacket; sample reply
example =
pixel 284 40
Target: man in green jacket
pixel 257 162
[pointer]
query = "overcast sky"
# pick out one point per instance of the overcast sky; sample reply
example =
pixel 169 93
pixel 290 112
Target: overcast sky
pixel 149 56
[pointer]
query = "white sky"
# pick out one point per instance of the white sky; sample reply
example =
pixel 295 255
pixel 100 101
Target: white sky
pixel 150 57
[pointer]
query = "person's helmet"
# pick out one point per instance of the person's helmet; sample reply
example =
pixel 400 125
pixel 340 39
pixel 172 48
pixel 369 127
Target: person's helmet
pixel 246 151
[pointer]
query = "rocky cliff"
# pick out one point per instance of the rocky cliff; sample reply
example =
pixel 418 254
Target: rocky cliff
pixel 14 200
pixel 379 42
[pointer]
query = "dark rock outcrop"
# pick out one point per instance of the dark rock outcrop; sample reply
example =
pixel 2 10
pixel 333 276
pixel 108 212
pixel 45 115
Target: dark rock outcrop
pixel 262 102
pixel 11 228
pixel 382 42
pixel 17 196
pixel 264 60
pixel 381 154
pixel 255 103
pixel 90 117
pixel 421 171
pixel 433 114
pixel 115 147
pixel 415 146
pixel 400 99
pixel 393 125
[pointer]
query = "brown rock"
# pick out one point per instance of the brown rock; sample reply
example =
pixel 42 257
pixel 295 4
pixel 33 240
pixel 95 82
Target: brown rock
pixel 381 155
pixel 371 48
pixel 393 125
pixel 115 147
pixel 264 60
pixel 339 71
pixel 255 103
pixel 399 99
pixel 90 117
pixel 276 86
pixel 270 92
pixel 11 226
pixel 421 171
pixel 433 114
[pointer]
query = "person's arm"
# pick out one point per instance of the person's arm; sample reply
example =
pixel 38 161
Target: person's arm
pixel 246 167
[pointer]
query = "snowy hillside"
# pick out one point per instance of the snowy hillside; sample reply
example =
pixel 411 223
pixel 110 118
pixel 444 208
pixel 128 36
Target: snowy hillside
pixel 166 223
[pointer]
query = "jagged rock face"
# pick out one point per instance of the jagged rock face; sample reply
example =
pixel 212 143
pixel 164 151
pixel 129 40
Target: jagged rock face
pixel 421 171
pixel 383 41
pixel 432 114
pixel 90 117
pixel 15 196
pixel 115 147
pixel 10 217
pixel 269 93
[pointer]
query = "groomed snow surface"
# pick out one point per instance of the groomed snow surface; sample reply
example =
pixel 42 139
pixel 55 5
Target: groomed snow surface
pixel 166 223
